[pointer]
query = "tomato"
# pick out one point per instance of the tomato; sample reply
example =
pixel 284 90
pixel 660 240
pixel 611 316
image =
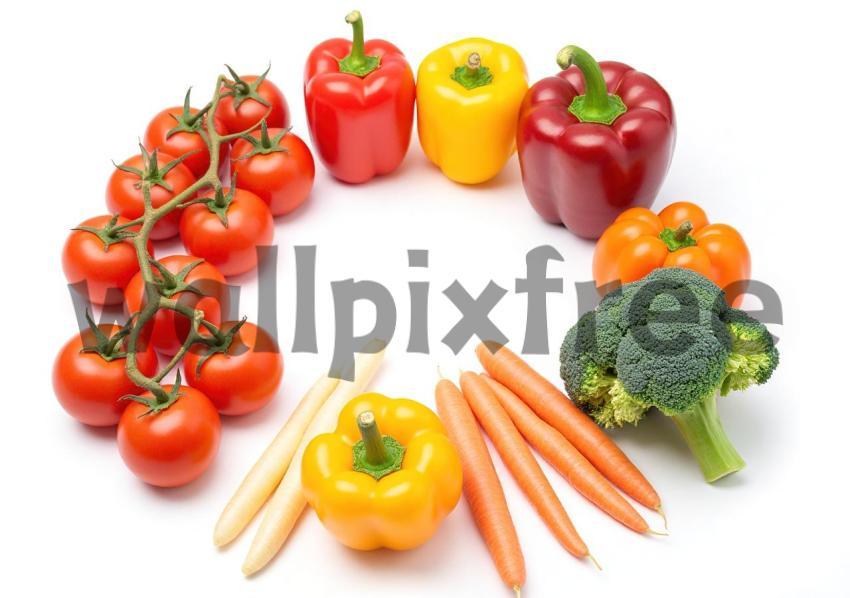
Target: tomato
pixel 124 194
pixel 174 446
pixel 243 110
pixel 89 385
pixel 243 376
pixel 278 167
pixel 98 256
pixel 232 248
pixel 169 330
pixel 176 131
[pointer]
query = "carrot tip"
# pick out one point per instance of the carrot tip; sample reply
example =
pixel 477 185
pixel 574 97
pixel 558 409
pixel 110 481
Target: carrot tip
pixel 594 561
pixel 518 593
pixel 661 512
pixel 657 533
pixel 442 374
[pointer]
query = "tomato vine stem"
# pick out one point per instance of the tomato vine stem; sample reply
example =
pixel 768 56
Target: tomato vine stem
pixel 154 300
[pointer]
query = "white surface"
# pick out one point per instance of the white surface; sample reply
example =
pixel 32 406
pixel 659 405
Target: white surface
pixel 761 94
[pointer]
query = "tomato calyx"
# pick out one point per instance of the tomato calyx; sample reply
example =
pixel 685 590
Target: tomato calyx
pixel 153 173
pixel 264 145
pixel 110 233
pixel 109 348
pixel 160 401
pixel 241 90
pixel 678 238
pixel 169 284
pixel 186 121
pixel 219 343
pixel 220 202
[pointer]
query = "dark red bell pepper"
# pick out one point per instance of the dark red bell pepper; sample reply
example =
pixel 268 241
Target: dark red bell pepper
pixel 359 100
pixel 593 141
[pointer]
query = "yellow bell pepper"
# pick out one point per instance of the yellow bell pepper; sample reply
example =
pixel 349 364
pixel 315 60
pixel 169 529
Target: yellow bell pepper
pixel 468 96
pixel 372 490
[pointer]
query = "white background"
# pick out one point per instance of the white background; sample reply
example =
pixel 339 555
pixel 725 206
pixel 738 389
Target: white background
pixel 761 94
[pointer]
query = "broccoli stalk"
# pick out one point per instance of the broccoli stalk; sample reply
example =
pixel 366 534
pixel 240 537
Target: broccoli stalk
pixel 707 440
pixel 668 341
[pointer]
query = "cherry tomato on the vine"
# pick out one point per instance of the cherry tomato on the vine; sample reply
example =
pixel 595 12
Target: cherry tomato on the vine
pixel 173 446
pixel 226 229
pixel 176 131
pixel 276 165
pixel 240 375
pixel 89 377
pixel 167 176
pixel 168 329
pixel 251 99
pixel 99 253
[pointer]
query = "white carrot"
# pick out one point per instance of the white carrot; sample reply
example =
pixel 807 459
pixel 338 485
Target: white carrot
pixel 268 471
pixel 288 502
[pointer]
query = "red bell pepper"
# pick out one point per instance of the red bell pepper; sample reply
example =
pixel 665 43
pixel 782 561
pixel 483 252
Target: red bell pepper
pixel 593 141
pixel 359 100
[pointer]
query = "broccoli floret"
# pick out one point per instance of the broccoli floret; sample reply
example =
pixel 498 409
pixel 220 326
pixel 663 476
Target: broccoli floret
pixel 668 341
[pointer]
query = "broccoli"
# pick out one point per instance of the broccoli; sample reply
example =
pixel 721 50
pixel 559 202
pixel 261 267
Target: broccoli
pixel 668 341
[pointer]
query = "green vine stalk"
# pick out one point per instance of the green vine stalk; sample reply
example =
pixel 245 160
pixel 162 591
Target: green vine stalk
pixel 154 298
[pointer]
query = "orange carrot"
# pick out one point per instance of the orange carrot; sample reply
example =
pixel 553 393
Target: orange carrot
pixel 557 410
pixel 521 463
pixel 564 457
pixel 481 485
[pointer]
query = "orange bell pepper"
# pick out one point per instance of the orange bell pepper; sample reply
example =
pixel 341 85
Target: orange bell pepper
pixel 639 241
pixel 390 489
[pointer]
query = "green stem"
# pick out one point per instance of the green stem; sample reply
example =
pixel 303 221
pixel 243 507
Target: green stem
pixel 596 104
pixel 154 298
pixel 679 237
pixel 374 454
pixel 220 200
pixel 682 232
pixel 358 62
pixel 153 171
pixel 264 135
pixel 472 74
pixel 707 440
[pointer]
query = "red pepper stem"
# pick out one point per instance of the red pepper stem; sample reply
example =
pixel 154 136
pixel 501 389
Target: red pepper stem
pixel 373 442
pixel 358 62
pixel 596 104
pixel 355 19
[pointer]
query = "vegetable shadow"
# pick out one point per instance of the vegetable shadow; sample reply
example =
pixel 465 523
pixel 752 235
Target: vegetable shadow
pixel 743 419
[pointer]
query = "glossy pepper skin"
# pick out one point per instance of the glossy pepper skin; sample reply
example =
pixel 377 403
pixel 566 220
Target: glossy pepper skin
pixel 593 141
pixel 679 236
pixel 359 99
pixel 419 487
pixel 468 95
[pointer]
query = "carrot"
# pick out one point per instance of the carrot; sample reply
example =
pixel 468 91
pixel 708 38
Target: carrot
pixel 564 457
pixel 521 463
pixel 268 471
pixel 557 410
pixel 481 485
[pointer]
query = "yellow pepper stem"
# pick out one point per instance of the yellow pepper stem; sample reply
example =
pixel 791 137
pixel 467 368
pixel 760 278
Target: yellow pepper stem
pixel 472 74
pixel 375 454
